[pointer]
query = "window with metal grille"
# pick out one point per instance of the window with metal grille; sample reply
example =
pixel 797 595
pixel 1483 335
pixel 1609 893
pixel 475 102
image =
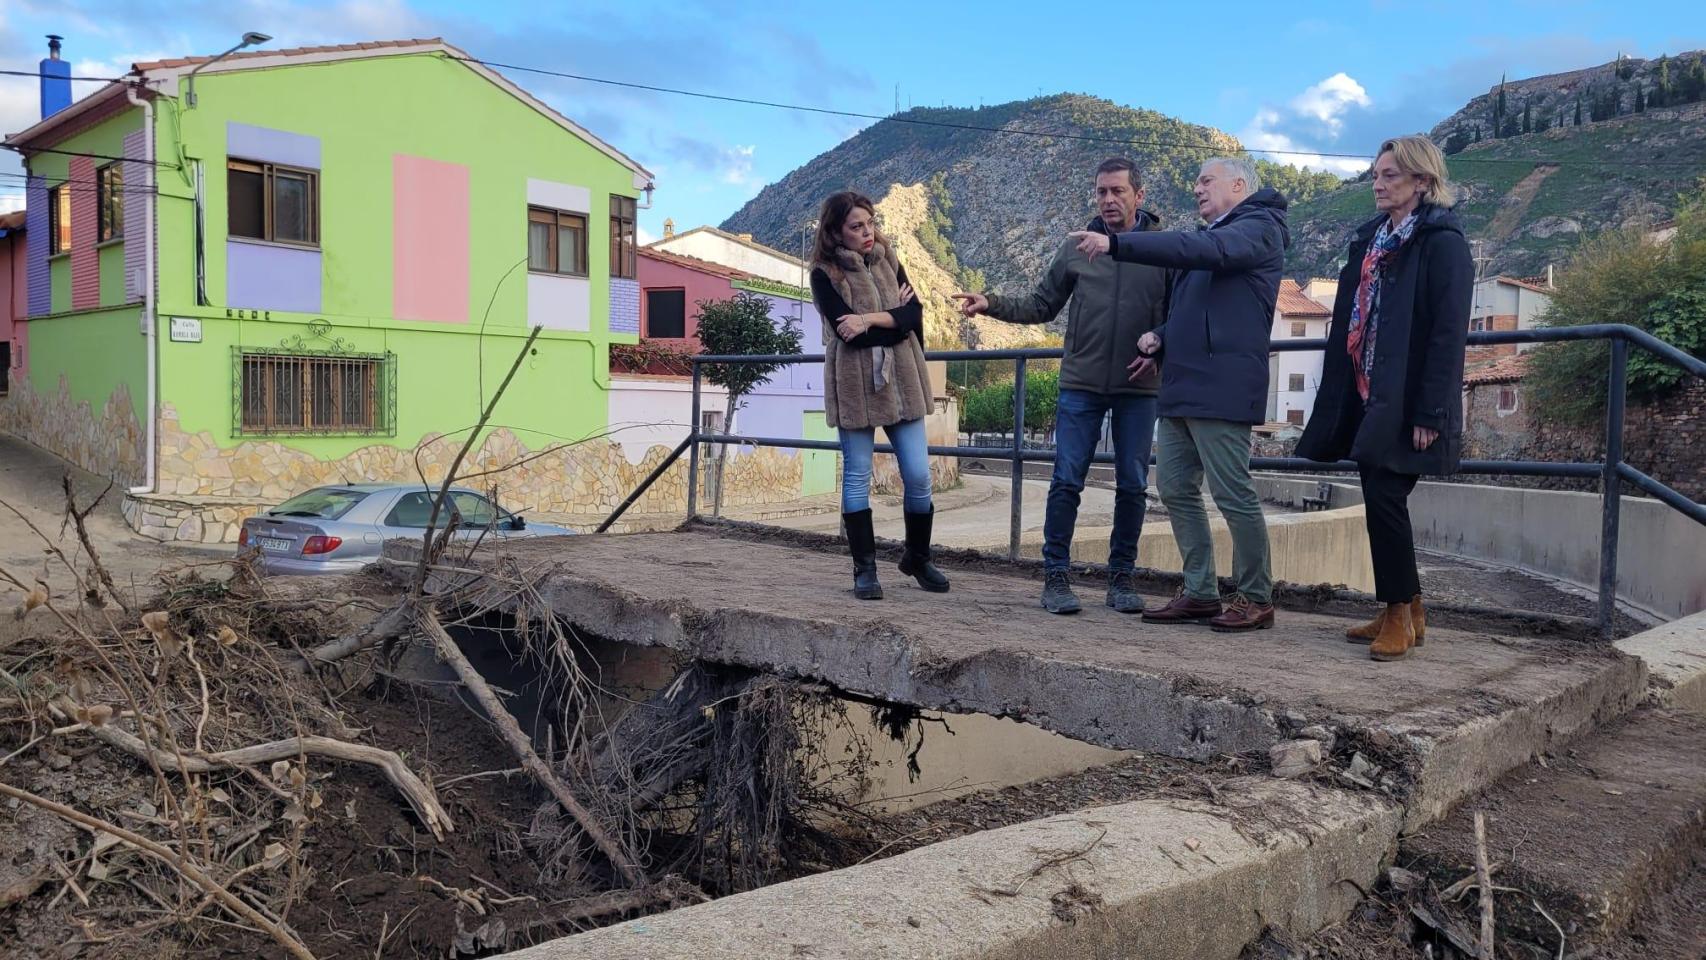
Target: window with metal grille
pixel 282 393
pixel 1299 329
pixel 270 201
pixel 109 198
pixel 1294 382
pixel 1294 417
pixel 622 243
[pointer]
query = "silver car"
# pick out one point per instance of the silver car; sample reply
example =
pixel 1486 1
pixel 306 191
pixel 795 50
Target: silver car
pixel 340 529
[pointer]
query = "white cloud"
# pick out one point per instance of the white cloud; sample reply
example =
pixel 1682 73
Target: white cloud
pixel 10 202
pixel 1328 100
pixel 646 237
pixel 737 165
pixel 1309 125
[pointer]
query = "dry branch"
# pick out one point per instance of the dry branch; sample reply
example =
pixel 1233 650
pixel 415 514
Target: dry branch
pixel 415 790
pixel 518 742
pixel 77 517
pixel 184 867
pixel 1484 879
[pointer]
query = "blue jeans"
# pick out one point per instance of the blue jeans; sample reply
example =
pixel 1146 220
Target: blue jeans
pixel 911 448
pixel 1078 427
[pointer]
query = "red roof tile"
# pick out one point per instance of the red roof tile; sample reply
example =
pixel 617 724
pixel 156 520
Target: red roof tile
pixel 694 263
pixel 1292 302
pixel 1527 283
pixel 1502 370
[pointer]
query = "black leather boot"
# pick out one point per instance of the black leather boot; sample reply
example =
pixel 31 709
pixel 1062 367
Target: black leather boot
pixel 915 562
pixel 862 542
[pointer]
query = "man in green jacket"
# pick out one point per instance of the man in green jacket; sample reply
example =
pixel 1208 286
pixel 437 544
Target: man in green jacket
pixel 1112 305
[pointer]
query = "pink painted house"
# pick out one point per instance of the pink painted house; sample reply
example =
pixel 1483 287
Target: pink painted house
pixel 14 301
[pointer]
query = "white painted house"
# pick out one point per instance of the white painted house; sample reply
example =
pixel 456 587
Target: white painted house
pixel 1300 313
pixel 736 250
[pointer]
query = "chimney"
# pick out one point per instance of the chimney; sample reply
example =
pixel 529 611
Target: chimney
pixel 745 236
pixel 55 80
pixel 668 229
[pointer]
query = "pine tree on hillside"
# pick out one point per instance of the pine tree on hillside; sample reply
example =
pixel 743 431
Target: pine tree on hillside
pixel 1499 111
pixel 1694 83
pixel 1640 99
pixel 1578 110
pixel 1543 124
pixel 1527 120
pixel 1662 84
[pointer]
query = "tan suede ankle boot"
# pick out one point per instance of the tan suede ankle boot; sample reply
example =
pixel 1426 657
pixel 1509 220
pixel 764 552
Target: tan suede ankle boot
pixel 1365 633
pixel 1396 636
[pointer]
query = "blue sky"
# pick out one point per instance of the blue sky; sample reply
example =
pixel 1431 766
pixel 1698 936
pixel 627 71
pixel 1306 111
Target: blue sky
pixel 1335 77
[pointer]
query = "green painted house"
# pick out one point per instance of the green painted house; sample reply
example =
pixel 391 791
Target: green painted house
pixel 256 273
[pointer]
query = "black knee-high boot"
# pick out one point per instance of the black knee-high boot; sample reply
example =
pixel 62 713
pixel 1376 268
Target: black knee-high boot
pixel 915 562
pixel 862 543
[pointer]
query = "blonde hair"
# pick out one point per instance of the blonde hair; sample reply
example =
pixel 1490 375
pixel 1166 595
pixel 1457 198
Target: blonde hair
pixel 1417 155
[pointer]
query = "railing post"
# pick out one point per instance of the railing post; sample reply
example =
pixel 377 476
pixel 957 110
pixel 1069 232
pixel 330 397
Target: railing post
pixel 693 452
pixel 1018 509
pixel 1611 487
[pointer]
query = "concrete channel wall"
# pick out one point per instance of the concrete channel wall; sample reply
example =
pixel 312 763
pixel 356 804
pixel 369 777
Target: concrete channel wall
pixel 1661 557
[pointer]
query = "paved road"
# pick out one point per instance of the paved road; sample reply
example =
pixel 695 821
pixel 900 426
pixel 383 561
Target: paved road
pixel 30 485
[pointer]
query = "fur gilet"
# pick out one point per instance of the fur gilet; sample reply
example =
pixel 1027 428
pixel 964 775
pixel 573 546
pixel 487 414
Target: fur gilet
pixel 871 386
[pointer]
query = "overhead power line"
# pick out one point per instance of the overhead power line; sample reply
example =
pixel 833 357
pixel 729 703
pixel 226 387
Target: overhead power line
pixel 55 76
pixel 1020 131
pixel 93 156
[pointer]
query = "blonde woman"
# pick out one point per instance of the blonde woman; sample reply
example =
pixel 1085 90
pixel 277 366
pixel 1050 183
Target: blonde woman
pixel 1391 386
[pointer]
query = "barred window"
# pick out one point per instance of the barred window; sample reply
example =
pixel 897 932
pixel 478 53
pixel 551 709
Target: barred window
pixel 281 393
pixel 109 199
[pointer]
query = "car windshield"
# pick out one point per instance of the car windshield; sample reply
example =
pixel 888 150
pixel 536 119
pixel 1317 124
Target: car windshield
pixel 321 503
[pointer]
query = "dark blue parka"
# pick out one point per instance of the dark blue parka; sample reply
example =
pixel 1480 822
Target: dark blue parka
pixel 1215 341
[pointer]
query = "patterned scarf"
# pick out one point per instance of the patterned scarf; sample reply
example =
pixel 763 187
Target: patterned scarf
pixel 1365 309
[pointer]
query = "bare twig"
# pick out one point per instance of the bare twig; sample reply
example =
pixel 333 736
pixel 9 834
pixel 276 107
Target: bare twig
pixel 1484 879
pixel 183 866
pixel 523 747
pixel 77 518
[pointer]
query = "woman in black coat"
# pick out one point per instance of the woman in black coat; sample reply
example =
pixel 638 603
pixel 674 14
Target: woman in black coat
pixel 1392 383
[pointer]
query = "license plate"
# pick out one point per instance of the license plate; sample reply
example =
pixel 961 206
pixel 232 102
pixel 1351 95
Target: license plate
pixel 275 544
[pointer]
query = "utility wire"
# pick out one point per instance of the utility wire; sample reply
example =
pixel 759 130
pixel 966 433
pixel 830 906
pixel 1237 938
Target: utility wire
pixel 1018 131
pixel 55 76
pixel 93 156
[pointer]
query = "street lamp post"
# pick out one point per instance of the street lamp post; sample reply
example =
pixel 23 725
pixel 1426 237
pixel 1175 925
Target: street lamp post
pixel 250 39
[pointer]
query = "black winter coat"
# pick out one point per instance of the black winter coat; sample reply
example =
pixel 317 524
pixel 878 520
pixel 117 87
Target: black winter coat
pixel 1418 356
pixel 1215 341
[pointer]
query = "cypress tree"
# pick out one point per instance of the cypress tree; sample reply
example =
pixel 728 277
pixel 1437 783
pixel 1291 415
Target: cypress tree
pixel 1640 99
pixel 1697 80
pixel 1499 111
pixel 1661 89
pixel 1527 120
pixel 1578 110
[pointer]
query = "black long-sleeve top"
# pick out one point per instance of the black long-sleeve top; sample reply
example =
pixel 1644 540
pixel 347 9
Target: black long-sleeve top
pixel 908 318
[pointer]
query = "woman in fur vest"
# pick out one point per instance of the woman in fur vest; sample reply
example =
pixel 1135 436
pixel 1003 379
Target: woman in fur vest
pixel 874 376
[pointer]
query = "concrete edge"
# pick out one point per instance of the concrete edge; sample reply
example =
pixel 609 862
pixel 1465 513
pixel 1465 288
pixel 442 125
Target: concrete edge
pixel 1675 655
pixel 1156 716
pixel 1472 755
pixel 1150 878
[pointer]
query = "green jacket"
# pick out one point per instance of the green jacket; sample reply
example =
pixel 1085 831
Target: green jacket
pixel 1112 305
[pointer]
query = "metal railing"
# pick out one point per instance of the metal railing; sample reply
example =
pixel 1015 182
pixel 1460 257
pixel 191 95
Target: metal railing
pixel 1611 473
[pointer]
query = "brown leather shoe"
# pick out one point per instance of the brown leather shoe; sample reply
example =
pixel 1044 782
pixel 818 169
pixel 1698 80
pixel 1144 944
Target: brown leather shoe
pixel 1396 637
pixel 1244 614
pixel 1366 633
pixel 1183 608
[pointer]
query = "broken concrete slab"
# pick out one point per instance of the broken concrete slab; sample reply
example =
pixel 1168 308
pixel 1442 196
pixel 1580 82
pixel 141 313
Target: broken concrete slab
pixel 1110 881
pixel 1294 758
pixel 1470 706
pixel 1591 834
pixel 1675 654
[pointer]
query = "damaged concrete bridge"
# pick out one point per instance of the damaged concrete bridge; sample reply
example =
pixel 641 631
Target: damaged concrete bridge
pixel 1487 694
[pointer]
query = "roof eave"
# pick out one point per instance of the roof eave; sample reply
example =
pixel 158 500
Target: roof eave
pixel 39 130
pixel 168 77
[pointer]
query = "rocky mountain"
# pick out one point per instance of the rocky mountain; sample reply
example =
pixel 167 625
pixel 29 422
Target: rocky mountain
pixel 1531 193
pixel 1001 203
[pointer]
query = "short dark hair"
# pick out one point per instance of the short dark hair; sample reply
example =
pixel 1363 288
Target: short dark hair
pixel 1117 164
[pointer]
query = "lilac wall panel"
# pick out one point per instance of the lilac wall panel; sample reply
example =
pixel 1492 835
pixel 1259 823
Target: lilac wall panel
pixel 264 276
pixel 624 305
pixel 273 146
pixel 36 240
pixel 135 214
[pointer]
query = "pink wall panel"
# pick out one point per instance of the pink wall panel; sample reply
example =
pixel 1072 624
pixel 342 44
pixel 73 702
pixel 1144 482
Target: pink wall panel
pixel 429 240
pixel 662 275
pixel 85 222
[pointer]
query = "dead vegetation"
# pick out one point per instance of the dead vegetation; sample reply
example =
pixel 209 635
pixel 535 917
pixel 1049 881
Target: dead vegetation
pixel 227 765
